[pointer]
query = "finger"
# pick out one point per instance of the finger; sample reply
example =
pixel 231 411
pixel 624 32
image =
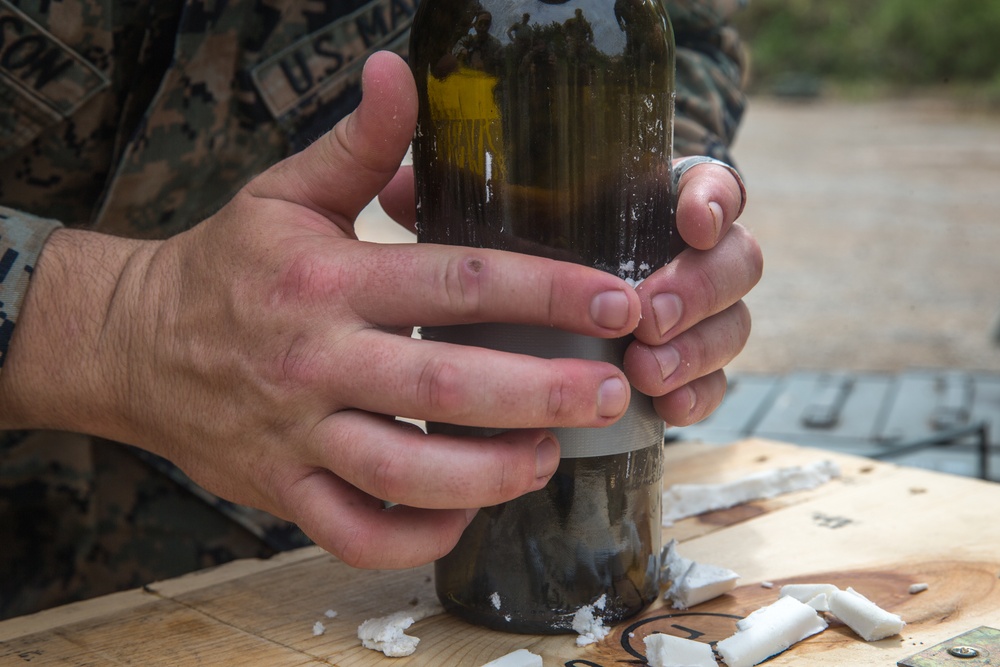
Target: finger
pixel 437 285
pixel 472 386
pixel 692 402
pixel 696 285
pixel 358 529
pixel 710 199
pixel 343 170
pixel 397 199
pixel 657 370
pixel 398 462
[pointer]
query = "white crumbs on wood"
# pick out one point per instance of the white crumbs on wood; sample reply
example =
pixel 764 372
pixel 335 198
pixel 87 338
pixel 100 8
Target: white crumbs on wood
pixel 588 624
pixel 683 500
pixel 691 582
pixel 387 633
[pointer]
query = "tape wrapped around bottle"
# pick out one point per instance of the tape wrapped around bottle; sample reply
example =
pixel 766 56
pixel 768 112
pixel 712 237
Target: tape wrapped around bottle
pixel 639 427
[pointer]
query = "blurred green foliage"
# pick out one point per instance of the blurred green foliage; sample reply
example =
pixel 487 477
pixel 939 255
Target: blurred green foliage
pixel 902 43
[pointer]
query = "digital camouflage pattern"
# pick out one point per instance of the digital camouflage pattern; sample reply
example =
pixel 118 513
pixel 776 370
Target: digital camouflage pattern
pixel 141 118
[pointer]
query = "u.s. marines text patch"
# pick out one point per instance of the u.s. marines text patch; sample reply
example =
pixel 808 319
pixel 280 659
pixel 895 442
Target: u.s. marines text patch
pixel 42 80
pixel 325 61
pixel 35 64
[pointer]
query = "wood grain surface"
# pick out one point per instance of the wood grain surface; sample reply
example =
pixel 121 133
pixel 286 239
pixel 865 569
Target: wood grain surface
pixel 878 528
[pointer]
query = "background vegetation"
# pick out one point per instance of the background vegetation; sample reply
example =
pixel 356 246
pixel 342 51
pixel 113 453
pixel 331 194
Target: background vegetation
pixel 796 45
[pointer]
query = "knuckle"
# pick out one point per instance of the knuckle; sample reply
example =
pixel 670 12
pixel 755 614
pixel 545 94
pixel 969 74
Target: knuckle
pixel 557 400
pixel 387 477
pixel 354 546
pixel 561 404
pixel 296 364
pixel 439 387
pixel 511 479
pixel 705 280
pixel 307 278
pixel 548 289
pixel 694 349
pixel 461 283
pixel 501 482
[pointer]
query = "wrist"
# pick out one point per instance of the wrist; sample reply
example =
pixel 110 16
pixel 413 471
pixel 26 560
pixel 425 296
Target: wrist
pixel 67 365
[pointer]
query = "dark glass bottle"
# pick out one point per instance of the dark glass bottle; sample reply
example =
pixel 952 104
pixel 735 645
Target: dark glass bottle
pixel 545 127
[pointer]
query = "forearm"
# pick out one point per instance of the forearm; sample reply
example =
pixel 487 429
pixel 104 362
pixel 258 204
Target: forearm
pixel 66 364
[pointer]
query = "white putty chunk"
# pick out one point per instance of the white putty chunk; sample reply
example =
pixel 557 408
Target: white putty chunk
pixel 495 600
pixel 769 631
pixel 318 629
pixel 588 624
pixel 329 613
pixel 692 583
pixel 866 618
pixel 857 612
pixel 918 588
pixel 684 500
pixel 816 596
pixel 522 657
pixel 669 651
pixel 387 633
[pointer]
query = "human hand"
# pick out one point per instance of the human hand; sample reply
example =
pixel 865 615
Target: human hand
pixel 266 350
pixel 694 321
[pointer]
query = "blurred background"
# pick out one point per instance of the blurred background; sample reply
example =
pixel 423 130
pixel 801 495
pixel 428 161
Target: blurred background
pixel 871 154
pixel 871 150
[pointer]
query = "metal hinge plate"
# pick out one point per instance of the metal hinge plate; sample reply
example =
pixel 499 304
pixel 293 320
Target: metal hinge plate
pixel 975 648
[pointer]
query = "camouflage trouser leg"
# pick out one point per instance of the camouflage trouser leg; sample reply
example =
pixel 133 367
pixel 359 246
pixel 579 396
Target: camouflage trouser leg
pixel 80 518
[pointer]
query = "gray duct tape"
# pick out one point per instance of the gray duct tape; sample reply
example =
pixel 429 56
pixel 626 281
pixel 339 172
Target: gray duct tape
pixel 639 428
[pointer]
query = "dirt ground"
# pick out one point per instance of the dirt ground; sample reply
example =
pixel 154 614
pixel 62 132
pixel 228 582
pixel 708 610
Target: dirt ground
pixel 880 225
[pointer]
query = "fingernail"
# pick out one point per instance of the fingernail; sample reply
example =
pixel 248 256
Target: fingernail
pixel 691 399
pixel 471 513
pixel 668 359
pixel 667 310
pixel 610 309
pixel 611 397
pixel 716 212
pixel 546 458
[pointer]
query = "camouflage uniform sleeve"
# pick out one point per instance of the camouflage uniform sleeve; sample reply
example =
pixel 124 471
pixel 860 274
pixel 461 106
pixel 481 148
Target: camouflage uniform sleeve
pixel 21 239
pixel 710 76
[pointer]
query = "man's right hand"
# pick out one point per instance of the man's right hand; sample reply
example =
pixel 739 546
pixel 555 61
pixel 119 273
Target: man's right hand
pixel 266 351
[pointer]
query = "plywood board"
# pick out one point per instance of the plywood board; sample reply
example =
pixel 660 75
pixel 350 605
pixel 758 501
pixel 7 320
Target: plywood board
pixel 879 528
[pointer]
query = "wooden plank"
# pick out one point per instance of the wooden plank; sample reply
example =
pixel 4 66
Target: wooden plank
pixel 879 528
pixel 160 632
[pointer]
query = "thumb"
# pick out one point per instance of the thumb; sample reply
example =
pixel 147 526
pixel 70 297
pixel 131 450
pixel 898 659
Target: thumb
pixel 343 170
